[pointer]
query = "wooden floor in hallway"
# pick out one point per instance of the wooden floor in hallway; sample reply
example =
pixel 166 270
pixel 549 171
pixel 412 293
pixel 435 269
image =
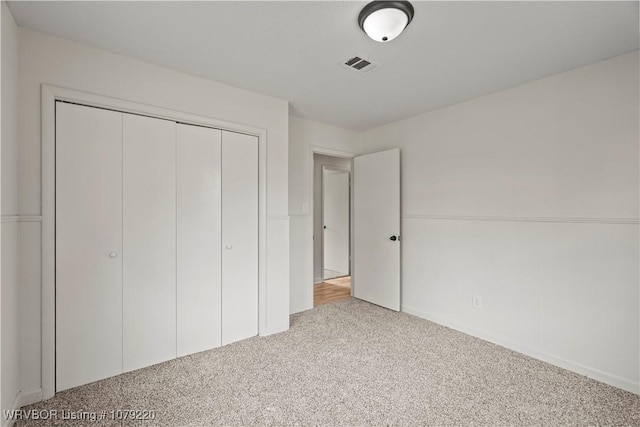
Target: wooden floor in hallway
pixel 333 290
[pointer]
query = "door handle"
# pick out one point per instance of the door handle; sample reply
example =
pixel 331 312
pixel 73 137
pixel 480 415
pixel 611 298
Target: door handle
pixel 394 238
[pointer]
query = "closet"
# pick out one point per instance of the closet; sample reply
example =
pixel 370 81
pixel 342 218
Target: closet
pixel 156 241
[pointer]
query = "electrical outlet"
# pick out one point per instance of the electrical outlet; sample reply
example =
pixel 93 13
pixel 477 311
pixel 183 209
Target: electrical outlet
pixel 476 302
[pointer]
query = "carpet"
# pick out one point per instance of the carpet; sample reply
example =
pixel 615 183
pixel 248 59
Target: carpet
pixel 353 363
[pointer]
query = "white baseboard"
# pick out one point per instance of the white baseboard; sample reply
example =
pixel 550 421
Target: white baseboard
pixel 30 397
pixel 579 368
pixel 22 399
pixel 317 280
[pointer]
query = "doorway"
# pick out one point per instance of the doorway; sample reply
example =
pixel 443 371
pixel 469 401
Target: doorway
pixel 332 229
pixel 335 222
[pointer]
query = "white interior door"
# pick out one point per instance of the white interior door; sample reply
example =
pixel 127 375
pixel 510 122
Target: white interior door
pixel 239 237
pixel 149 241
pixel 88 244
pixel 199 240
pixel 377 228
pixel 335 213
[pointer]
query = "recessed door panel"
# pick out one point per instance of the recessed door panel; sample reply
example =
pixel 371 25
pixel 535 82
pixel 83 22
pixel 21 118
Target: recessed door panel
pixel 149 241
pixel 88 244
pixel 199 239
pixel 239 236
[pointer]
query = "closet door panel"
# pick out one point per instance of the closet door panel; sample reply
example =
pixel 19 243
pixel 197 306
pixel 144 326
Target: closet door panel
pixel 199 239
pixel 239 236
pixel 149 241
pixel 88 244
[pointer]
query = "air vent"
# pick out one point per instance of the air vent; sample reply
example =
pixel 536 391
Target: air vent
pixel 360 64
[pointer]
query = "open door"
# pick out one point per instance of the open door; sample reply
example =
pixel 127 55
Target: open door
pixel 335 215
pixel 376 205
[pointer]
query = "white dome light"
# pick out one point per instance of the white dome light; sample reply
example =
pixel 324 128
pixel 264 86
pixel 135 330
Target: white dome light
pixel 383 21
pixel 385 24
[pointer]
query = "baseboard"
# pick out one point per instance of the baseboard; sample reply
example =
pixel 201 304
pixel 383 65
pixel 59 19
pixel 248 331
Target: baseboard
pixel 30 397
pixel 300 309
pixel 317 280
pixel 569 365
pixel 22 399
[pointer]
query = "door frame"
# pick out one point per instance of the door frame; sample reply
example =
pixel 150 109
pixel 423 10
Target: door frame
pixel 348 172
pixel 314 149
pixel 49 95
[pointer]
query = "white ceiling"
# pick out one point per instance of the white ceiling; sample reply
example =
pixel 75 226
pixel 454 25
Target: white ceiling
pixel 451 52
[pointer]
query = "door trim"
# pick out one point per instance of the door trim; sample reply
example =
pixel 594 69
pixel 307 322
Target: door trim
pixel 49 96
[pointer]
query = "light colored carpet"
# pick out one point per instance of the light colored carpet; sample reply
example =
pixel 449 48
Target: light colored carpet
pixel 352 363
pixel 332 274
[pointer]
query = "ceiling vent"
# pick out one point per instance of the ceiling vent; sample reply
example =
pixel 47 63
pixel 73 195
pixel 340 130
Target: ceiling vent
pixel 360 64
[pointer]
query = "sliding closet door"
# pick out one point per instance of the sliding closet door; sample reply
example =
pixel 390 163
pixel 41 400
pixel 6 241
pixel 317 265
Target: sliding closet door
pixel 239 236
pixel 88 244
pixel 199 239
pixel 149 241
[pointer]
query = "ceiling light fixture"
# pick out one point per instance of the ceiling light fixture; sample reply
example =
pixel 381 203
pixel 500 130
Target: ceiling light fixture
pixel 383 21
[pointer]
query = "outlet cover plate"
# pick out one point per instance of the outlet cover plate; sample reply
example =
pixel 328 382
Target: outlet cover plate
pixel 476 302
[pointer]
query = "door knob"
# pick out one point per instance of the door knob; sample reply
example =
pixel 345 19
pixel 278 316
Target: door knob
pixel 113 254
pixel 393 238
pixel 229 247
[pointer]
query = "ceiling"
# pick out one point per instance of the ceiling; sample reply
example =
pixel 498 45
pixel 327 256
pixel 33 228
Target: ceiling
pixel 451 52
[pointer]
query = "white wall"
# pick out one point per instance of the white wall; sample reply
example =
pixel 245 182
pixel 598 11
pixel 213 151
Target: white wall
pixel 9 291
pixel 304 137
pixel 320 160
pixel 529 198
pixel 54 61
